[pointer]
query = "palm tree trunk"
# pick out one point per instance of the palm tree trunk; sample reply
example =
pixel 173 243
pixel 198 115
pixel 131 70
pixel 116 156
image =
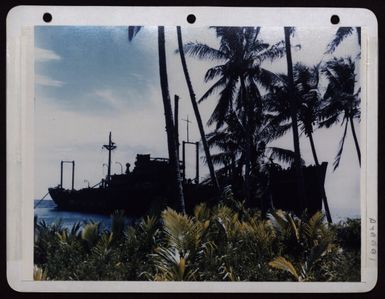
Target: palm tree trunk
pixel 293 108
pixel 355 140
pixel 248 142
pixel 196 111
pixel 310 135
pixel 177 188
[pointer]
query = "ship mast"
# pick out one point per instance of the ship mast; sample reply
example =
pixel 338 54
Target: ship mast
pixel 110 147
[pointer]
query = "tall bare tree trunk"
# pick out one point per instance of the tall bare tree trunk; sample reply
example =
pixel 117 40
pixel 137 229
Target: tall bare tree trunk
pixel 355 140
pixel 171 141
pixel 293 109
pixel 196 111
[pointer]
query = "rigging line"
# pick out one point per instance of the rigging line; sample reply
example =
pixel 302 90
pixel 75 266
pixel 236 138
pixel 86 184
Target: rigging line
pixel 40 200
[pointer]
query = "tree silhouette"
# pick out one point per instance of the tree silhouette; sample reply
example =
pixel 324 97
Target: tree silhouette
pixel 288 31
pixel 241 53
pixel 308 101
pixel 341 34
pixel 342 100
pixel 171 141
pixel 194 103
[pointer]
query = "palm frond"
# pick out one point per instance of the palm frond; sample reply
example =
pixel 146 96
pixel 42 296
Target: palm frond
pixel 327 123
pixel 283 264
pixel 340 35
pixel 275 51
pixel 282 155
pixel 90 233
pixel 268 79
pixel 315 224
pixel 217 85
pixel 203 51
pixel 214 72
pixel 223 105
pixel 132 31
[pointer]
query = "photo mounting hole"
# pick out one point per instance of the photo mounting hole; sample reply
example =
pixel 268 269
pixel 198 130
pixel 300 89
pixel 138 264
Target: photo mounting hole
pixel 47 17
pixel 335 19
pixel 191 18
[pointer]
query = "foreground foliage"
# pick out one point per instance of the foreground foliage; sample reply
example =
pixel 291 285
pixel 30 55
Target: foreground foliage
pixel 225 243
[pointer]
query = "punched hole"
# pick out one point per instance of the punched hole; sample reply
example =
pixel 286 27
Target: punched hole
pixel 191 19
pixel 47 17
pixel 335 19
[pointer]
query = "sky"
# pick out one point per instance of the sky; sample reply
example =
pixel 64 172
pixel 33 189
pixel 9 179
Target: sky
pixel 91 80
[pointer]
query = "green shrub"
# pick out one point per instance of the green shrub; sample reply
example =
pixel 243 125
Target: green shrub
pixel 227 242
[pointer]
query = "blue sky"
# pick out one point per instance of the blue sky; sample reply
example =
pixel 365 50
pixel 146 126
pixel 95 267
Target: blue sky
pixel 91 80
pixel 95 59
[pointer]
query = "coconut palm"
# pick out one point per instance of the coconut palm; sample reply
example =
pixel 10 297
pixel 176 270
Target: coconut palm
pixel 308 100
pixel 213 176
pixel 342 100
pixel 241 53
pixel 230 141
pixel 171 141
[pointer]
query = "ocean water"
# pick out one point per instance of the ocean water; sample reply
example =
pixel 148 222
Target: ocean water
pixel 47 210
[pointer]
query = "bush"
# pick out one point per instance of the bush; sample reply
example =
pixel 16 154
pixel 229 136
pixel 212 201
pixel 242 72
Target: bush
pixel 224 243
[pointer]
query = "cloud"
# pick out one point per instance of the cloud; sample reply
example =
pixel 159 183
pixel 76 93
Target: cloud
pixel 108 96
pixel 44 55
pixel 46 81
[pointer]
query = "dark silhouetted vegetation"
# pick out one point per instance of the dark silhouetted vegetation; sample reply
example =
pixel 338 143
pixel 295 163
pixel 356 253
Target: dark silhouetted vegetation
pixel 227 242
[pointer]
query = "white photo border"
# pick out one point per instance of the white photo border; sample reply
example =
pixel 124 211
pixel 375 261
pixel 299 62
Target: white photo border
pixel 20 85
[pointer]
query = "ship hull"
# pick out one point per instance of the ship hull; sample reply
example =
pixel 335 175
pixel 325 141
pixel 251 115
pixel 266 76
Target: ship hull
pixel 138 197
pixel 134 202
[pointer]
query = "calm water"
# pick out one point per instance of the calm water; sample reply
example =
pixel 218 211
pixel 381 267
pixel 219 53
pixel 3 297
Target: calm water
pixel 46 210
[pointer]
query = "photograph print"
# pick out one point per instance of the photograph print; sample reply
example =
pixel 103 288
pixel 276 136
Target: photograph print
pixel 197 153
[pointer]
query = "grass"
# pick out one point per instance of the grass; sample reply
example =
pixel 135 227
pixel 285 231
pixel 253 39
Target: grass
pixel 227 242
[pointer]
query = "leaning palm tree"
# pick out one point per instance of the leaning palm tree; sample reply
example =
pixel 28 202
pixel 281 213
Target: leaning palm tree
pixel 171 141
pixel 194 103
pixel 342 100
pixel 241 53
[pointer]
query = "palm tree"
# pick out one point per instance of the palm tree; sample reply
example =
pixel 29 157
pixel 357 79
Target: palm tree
pixel 230 140
pixel 288 31
pixel 308 99
pixel 171 141
pixel 342 100
pixel 341 34
pixel 209 162
pixel 241 52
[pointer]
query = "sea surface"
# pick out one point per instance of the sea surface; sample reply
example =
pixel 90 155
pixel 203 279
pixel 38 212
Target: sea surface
pixel 46 210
